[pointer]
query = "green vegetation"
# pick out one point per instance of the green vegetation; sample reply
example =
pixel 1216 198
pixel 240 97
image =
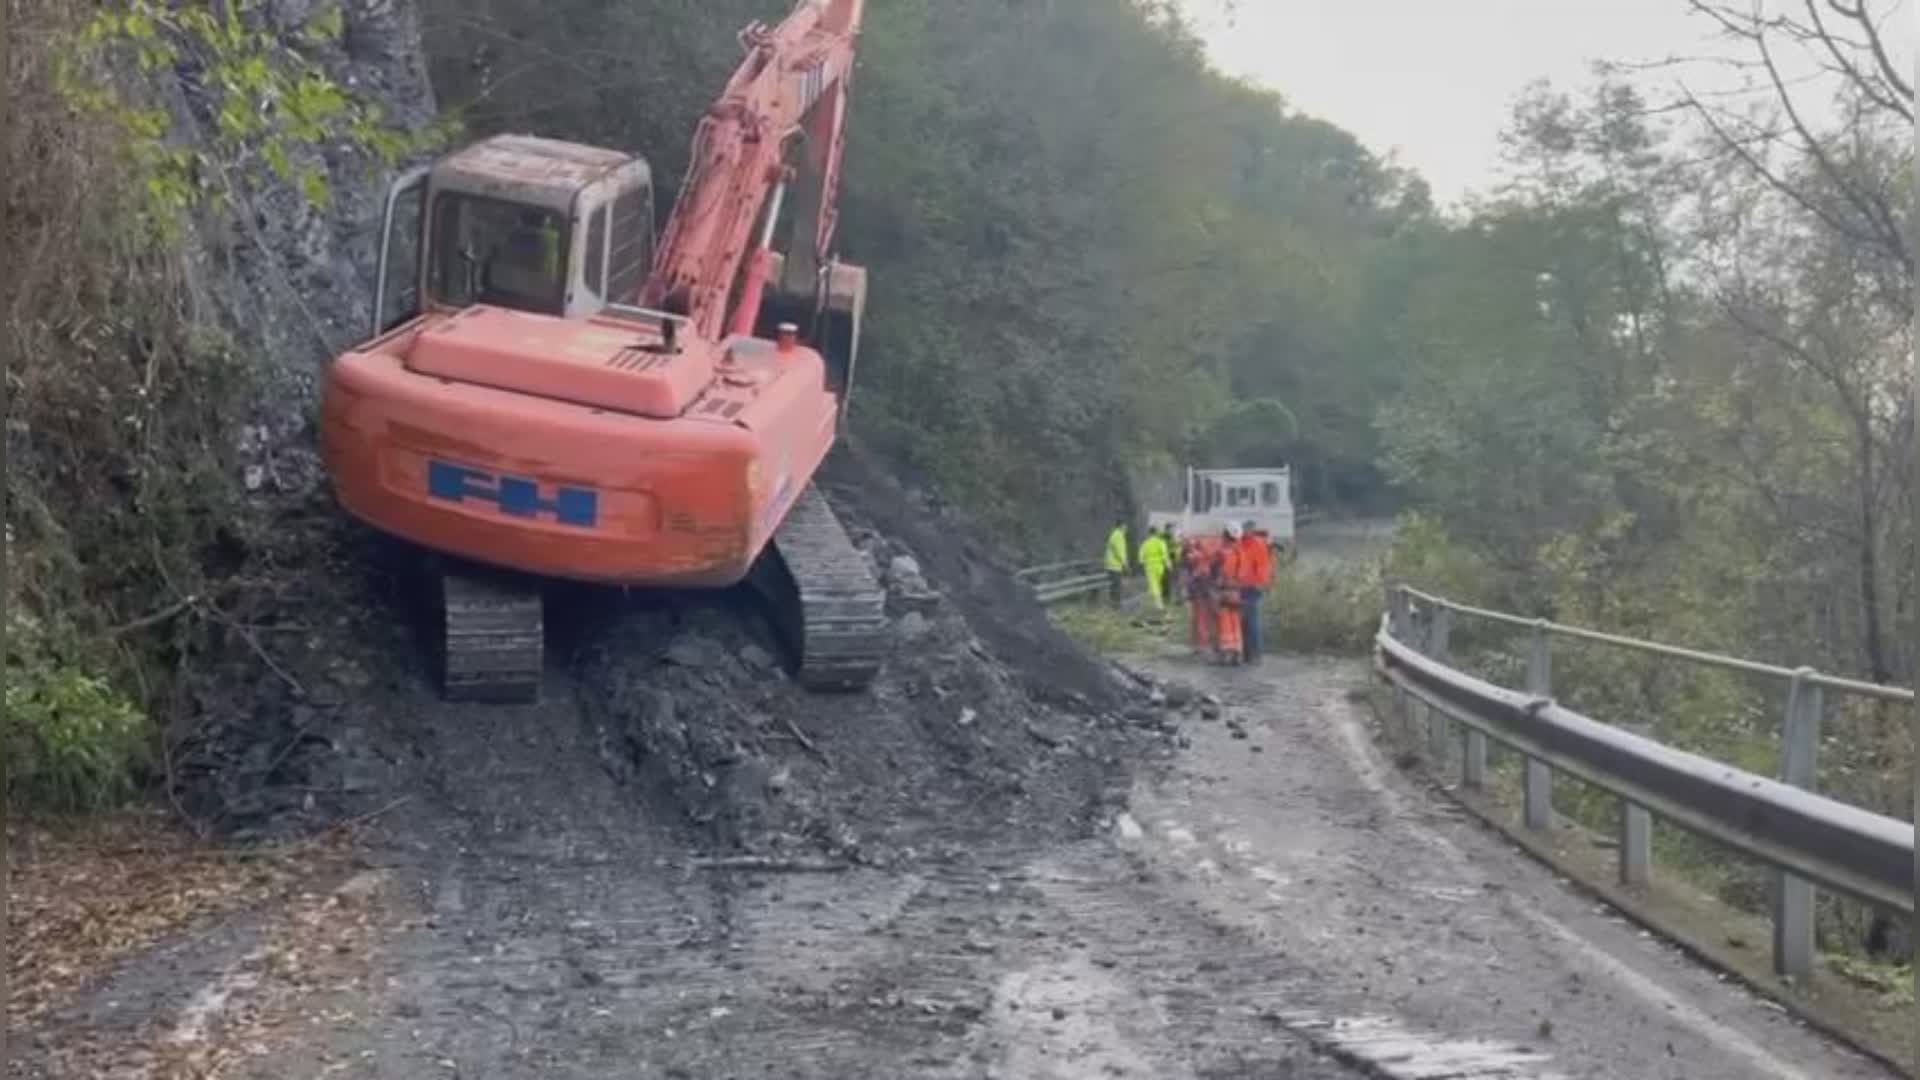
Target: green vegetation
pixel 127 527
pixel 1330 610
pixel 71 740
pixel 1894 984
pixel 1114 632
pixel 268 100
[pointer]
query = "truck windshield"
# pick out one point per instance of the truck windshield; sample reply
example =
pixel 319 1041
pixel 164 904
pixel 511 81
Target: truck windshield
pixel 489 251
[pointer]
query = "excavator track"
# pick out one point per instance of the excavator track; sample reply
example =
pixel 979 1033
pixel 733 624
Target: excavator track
pixel 831 610
pixel 493 639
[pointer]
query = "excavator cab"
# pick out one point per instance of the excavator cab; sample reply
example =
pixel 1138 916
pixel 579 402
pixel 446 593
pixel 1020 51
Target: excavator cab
pixel 515 221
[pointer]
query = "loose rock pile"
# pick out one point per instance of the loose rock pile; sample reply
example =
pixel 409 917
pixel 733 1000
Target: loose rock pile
pixel 987 721
pixel 948 742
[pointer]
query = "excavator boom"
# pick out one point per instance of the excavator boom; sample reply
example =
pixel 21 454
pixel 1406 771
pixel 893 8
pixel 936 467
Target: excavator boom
pixel 792 87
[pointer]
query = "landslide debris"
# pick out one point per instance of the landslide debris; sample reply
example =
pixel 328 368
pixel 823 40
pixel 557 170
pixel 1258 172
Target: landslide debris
pixel 987 723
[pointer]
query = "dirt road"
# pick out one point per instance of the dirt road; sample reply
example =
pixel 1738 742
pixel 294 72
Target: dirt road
pixel 1275 904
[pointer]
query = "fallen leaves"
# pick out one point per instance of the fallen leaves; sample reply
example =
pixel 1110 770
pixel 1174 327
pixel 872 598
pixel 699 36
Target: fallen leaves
pixel 321 944
pixel 82 897
pixel 85 899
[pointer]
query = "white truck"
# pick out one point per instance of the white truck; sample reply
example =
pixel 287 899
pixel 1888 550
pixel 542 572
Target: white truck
pixel 1214 497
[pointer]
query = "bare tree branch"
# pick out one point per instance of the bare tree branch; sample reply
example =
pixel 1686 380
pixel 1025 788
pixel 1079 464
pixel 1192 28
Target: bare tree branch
pixel 1869 84
pixel 1887 232
pixel 1877 43
pixel 1760 168
pixel 1844 187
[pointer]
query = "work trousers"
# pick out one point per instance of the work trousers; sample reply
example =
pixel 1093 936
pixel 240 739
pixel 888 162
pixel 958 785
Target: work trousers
pixel 1230 642
pixel 1157 586
pixel 1116 582
pixel 1206 618
pixel 1250 623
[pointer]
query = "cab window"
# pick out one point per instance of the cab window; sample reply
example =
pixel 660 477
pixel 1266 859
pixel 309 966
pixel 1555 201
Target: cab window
pixel 597 253
pixel 631 253
pixel 489 251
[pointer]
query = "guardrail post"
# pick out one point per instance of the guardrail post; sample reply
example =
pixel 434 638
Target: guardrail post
pixel 1793 897
pixel 1418 619
pixel 1399 623
pixel 1636 830
pixel 1397 610
pixel 1636 844
pixel 1439 627
pixel 1539 779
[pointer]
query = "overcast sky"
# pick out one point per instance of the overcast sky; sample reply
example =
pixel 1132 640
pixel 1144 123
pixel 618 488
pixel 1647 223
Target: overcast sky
pixel 1436 79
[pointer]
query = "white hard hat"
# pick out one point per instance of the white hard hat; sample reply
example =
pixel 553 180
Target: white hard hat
pixel 1233 529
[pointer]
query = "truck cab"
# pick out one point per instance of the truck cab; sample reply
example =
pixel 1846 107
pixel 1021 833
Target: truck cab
pixel 1214 497
pixel 516 221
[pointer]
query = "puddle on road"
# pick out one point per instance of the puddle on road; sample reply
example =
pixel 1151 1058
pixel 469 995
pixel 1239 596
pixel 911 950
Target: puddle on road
pixel 1395 1051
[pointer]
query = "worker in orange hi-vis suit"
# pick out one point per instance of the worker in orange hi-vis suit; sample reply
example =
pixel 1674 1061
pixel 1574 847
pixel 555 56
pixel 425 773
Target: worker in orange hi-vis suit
pixel 1199 595
pixel 1256 577
pixel 1226 581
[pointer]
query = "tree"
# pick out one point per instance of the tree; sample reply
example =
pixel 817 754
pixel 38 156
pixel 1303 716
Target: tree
pixel 1855 181
pixel 1825 286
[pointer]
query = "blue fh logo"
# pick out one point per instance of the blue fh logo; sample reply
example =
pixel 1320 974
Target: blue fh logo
pixel 514 495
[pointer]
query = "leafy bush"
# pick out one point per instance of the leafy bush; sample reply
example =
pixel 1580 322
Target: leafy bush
pixel 1427 557
pixel 1323 610
pixel 72 742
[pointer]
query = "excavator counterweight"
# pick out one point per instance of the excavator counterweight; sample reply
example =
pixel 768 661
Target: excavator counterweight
pixel 551 391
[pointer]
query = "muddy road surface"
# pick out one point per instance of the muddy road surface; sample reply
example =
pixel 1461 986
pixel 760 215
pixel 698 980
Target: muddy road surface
pixel 1270 902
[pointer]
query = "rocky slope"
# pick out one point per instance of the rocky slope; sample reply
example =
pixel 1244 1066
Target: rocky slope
pixel 292 282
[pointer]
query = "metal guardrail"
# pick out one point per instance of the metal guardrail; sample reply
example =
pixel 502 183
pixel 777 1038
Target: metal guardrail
pixel 1064 581
pixel 1809 838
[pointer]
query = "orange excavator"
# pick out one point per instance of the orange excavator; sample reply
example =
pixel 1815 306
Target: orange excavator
pixel 551 392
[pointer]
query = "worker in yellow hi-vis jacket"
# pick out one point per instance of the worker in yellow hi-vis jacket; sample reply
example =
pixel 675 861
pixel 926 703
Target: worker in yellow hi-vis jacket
pixel 1156 559
pixel 1116 562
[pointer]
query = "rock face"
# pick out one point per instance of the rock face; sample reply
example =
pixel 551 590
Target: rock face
pixel 292 282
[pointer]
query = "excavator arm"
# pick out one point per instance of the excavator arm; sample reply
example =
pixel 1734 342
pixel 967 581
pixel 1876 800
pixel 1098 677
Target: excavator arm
pixel 789 94
pixel 778 134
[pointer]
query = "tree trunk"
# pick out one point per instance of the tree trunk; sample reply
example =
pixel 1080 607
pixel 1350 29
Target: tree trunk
pixel 1873 639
